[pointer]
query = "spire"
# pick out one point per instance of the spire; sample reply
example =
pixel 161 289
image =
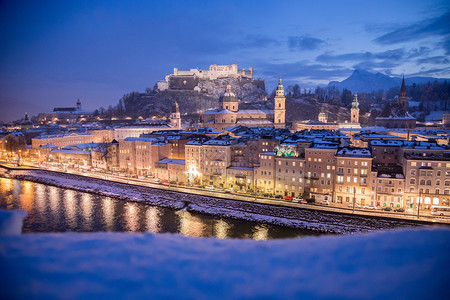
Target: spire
pixel 355 103
pixel 403 88
pixel 26 116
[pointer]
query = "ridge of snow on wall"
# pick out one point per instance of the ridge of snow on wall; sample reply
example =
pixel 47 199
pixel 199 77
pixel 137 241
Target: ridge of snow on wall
pixel 400 264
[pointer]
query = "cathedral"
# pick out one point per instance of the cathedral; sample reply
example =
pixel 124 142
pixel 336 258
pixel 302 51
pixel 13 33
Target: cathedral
pixel 228 114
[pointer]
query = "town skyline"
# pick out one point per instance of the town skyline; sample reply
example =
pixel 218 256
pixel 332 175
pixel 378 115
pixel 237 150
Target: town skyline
pixel 55 53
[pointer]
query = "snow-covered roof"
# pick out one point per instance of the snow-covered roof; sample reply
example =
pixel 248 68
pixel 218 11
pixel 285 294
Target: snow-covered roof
pixel 254 121
pixel 172 161
pixel 217 143
pixel 392 143
pixel 354 152
pixel 141 139
pixel 225 112
pixel 71 151
pixel 255 112
pixel 210 112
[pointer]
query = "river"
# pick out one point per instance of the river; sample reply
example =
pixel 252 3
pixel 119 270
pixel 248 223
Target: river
pixel 54 209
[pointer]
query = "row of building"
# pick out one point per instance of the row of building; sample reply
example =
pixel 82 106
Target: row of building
pixel 318 164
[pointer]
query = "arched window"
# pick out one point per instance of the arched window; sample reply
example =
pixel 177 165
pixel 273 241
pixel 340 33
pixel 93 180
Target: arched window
pixel 412 181
pixel 428 182
pixel 422 182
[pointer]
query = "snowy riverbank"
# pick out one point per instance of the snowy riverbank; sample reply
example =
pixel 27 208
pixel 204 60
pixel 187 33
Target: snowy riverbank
pixel 397 264
pixel 284 216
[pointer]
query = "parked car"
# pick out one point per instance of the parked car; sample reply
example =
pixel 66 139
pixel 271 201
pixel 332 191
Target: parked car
pixel 287 198
pixel 370 207
pixel 242 191
pixel 181 183
pixel 387 208
pixel 296 200
pixel 400 209
pixel 356 205
pixel 210 187
pixel 229 191
pixel 278 196
pixel 325 202
pixel 218 189
pixel 266 195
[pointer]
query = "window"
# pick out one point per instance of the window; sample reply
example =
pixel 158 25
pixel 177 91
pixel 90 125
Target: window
pixel 412 181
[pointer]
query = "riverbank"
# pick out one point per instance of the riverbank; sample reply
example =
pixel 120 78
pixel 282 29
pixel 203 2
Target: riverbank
pixel 321 221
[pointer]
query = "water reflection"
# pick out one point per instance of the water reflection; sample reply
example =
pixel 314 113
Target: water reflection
pixel 53 209
pixel 152 217
pixel 70 203
pixel 131 216
pixel 108 212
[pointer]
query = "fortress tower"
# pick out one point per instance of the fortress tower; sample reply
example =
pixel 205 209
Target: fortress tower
pixel 355 110
pixel 279 112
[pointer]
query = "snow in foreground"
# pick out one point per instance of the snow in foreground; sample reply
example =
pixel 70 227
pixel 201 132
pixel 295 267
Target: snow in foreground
pixel 397 264
pixel 11 221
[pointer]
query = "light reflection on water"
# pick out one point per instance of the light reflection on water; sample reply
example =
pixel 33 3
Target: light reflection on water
pixel 53 209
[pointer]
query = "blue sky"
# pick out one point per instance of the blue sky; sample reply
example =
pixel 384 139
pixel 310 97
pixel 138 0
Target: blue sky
pixel 53 52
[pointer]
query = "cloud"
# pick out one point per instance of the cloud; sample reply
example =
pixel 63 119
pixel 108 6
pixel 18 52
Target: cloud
pixel 387 56
pixel 305 42
pixel 257 41
pixel 435 26
pixel 303 69
pixel 437 60
pixel 437 72
pixel 419 52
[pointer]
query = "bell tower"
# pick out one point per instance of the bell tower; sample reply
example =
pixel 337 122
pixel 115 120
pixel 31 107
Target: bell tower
pixel 279 111
pixel 355 110
pixel 402 97
pixel 175 118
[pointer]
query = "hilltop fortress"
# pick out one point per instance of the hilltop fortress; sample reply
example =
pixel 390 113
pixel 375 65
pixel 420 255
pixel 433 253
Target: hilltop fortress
pixel 189 80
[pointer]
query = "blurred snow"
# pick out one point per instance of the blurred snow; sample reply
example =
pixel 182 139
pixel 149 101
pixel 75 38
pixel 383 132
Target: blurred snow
pixel 11 221
pixel 397 264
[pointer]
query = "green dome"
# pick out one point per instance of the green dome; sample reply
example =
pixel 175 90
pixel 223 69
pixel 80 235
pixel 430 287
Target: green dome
pixel 280 86
pixel 228 96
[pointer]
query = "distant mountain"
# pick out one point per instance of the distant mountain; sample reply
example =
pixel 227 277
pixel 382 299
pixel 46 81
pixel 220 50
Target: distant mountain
pixel 366 82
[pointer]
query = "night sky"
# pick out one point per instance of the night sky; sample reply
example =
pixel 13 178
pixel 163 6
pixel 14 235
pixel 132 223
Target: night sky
pixel 54 52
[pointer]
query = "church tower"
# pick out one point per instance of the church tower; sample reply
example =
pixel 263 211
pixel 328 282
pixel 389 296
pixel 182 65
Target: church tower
pixel 175 118
pixel 279 111
pixel 78 104
pixel 355 110
pixel 402 98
